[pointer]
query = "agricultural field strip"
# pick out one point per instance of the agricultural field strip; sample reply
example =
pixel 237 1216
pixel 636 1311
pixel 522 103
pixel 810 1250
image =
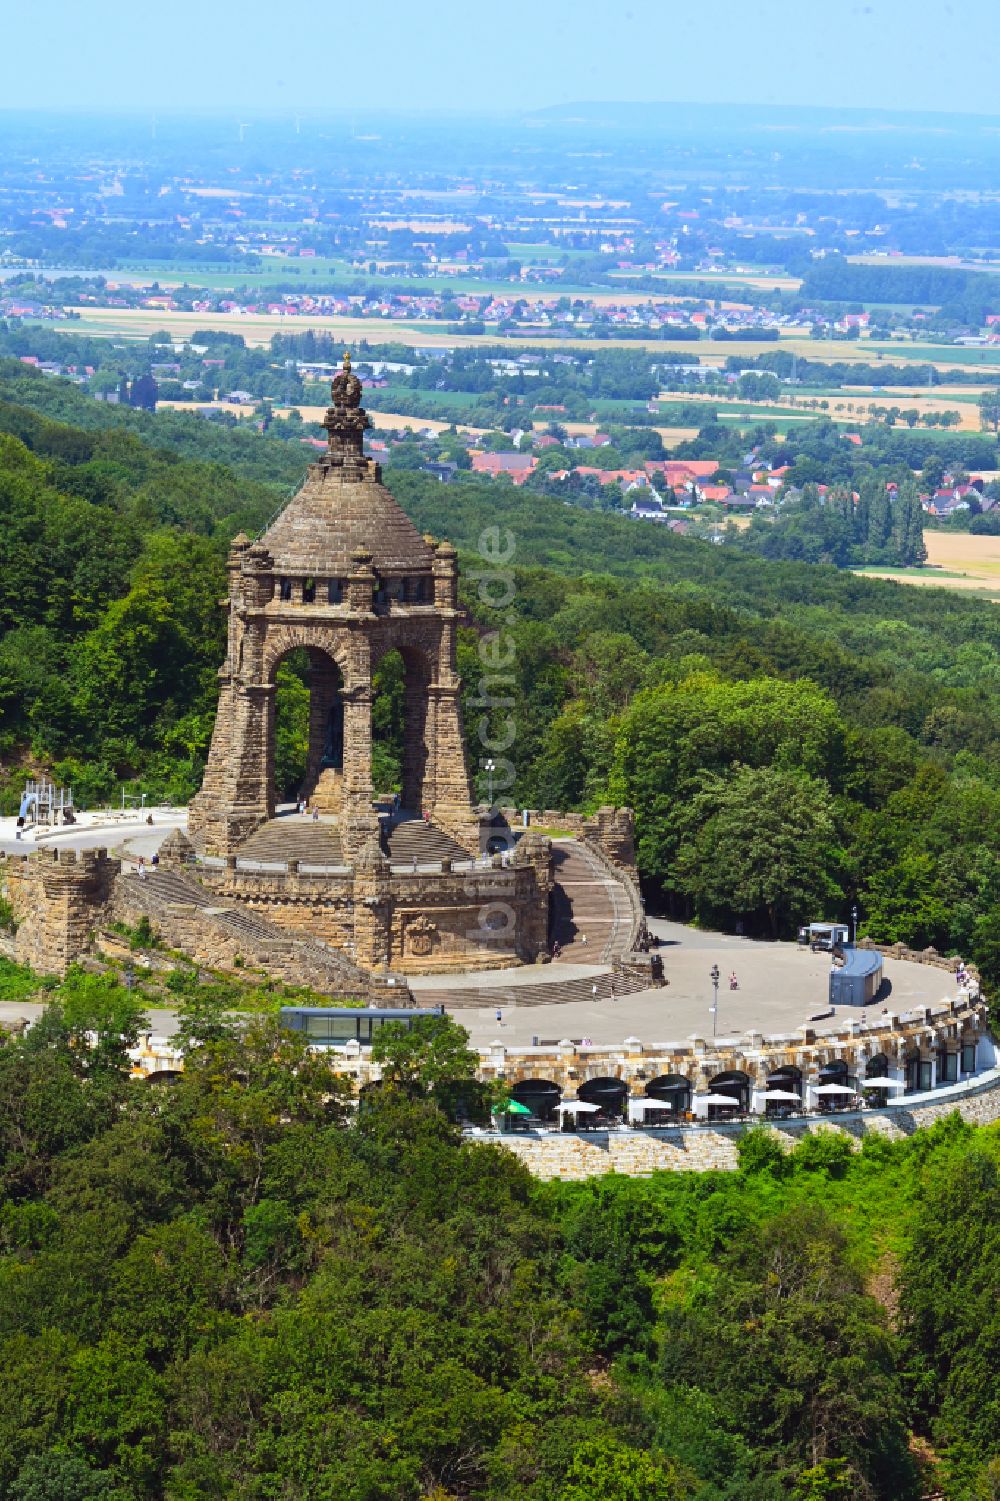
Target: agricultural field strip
pixel 258 330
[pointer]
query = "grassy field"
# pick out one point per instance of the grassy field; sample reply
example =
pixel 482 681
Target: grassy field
pixel 759 280
pixel 948 262
pixel 324 274
pixel 858 398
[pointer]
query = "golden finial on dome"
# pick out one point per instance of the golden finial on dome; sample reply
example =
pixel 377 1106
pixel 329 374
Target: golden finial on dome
pixel 347 362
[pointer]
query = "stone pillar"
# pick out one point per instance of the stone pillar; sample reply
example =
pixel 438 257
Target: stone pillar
pixel 418 774
pixel 237 793
pixel 360 582
pixel 447 794
pixel 372 893
pixel 450 800
pixel 534 851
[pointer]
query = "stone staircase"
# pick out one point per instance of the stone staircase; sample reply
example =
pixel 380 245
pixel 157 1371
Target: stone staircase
pixel 551 992
pixel 294 838
pixel 587 902
pixel 412 839
pixel 213 929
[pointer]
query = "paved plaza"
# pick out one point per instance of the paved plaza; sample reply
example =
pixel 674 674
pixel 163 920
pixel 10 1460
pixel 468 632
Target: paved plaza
pixel 781 987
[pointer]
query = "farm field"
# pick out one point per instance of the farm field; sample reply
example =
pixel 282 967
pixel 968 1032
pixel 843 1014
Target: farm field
pixel 316 414
pixel 259 328
pixel 398 421
pixel 948 262
pixel 760 280
pixel 858 399
pixel 956 561
pixel 328 274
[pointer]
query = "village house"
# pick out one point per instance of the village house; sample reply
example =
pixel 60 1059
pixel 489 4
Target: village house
pixel 516 466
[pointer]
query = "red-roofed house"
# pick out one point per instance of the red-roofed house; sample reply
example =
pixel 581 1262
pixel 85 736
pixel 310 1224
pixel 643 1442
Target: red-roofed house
pixel 517 466
pixel 614 476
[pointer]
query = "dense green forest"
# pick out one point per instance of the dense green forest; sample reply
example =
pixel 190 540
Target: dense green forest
pixel 965 295
pixel 231 1288
pixel 737 704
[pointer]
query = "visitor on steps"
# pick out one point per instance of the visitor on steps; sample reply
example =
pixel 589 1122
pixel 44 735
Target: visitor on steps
pixel 499 1017
pixel 142 869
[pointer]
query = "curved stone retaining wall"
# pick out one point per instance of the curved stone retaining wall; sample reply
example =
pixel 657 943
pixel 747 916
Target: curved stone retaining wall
pixel 637 1153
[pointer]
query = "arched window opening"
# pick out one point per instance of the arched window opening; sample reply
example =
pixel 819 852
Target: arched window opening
pixel 541 1097
pixel 610 1095
pixel 308 730
pixel 734 1083
pixel 399 729
pixel 672 1091
pixel 783 1092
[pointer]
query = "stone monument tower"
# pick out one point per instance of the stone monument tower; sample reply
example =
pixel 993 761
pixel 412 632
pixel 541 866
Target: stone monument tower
pixel 344 574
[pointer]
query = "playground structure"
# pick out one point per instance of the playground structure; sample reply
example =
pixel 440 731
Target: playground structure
pixel 45 806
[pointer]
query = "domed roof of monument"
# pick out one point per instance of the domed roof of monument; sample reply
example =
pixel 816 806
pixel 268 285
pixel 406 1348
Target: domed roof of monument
pixel 330 518
pixel 342 506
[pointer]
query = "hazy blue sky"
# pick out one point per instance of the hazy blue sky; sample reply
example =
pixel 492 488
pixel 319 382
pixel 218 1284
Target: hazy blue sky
pixel 899 54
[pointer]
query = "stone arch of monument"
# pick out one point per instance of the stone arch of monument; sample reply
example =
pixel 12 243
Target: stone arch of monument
pixel 322 782
pixel 342 572
pixel 418 716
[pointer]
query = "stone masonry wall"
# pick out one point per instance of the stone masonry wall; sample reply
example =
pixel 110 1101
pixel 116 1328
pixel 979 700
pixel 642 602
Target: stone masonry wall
pixel 207 938
pixel 714 1148
pixel 612 830
pixel 58 899
pixel 431 921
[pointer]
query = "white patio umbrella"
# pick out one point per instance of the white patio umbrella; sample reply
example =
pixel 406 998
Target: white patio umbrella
pixel 882 1081
pixel 783 1094
pixel 831 1089
pixel 639 1107
pixel 567 1107
pixel 717 1099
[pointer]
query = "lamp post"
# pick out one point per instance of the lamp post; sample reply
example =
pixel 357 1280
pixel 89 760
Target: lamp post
pixel 714 976
pixel 490 767
pixel 854 924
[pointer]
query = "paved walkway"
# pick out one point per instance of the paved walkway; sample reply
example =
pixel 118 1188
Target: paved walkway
pixel 98 831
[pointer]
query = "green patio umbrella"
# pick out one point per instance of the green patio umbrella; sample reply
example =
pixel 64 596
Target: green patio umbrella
pixel 512 1107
